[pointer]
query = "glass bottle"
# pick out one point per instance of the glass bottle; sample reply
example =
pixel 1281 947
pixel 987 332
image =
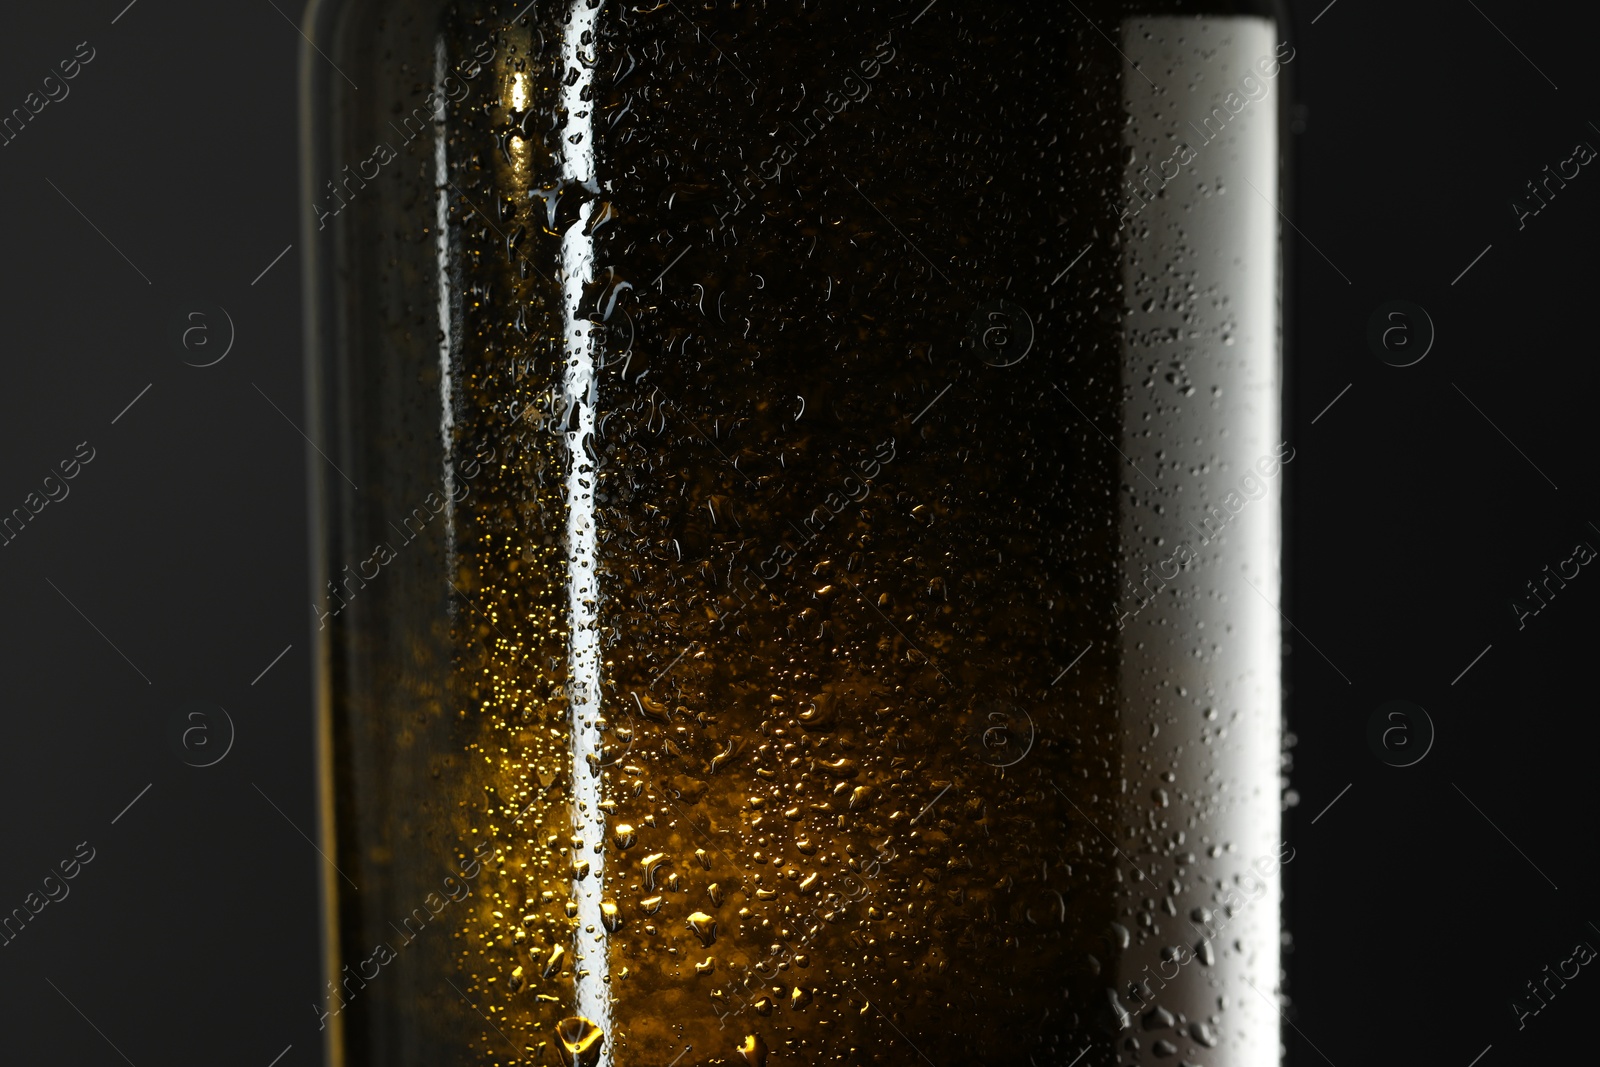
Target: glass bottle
pixel 797 492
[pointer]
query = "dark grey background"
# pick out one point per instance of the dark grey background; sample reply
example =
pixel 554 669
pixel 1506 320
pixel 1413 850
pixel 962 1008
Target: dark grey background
pixel 1420 902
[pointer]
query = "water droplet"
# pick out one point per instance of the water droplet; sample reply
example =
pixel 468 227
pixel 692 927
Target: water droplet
pixel 653 709
pixel 818 715
pixel 652 863
pixel 1159 1019
pixel 580 1041
pixel 723 757
pixel 1203 1033
pixel 842 767
pixel 754 1050
pixel 704 927
pixel 1119 1014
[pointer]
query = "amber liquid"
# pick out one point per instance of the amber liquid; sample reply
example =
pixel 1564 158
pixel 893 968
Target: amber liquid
pixel 830 787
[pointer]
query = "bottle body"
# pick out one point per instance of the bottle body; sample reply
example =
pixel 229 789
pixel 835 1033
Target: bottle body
pixel 789 507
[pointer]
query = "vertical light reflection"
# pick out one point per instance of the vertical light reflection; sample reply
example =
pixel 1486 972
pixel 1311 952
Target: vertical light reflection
pixel 441 182
pixel 590 965
pixel 517 98
pixel 1201 422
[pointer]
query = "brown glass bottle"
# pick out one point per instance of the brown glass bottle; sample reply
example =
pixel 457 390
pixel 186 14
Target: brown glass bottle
pixel 791 480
